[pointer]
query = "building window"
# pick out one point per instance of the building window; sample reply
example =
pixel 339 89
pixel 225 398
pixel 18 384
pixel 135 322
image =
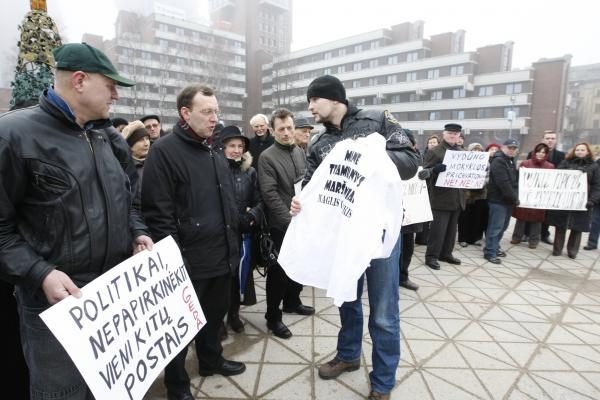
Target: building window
pixel 391 79
pixel 436 95
pixel 374 44
pixel 356 83
pixel 513 88
pixel 458 114
pixel 457 70
pixel 373 82
pixel 458 93
pixel 341 69
pixel 486 90
pixel 411 76
pixel 414 56
pixel 327 55
pixel 395 99
pixel 597 92
pixel 596 124
pixel 357 66
pixel 342 52
pixel 434 115
pixel 412 97
pixel 484 113
pixel 373 63
pixel 357 48
pixel 597 108
pixel 511 113
pixel 393 59
pixel 362 101
pixel 180 61
pixel 179 31
pixel 327 71
pixel 146 56
pixel 163 27
pixel 433 73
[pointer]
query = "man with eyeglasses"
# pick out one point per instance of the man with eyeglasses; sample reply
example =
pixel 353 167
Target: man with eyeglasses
pixel 153 126
pixel 188 193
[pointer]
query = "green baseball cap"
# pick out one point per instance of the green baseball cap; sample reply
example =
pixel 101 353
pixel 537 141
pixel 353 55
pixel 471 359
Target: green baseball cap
pixel 83 57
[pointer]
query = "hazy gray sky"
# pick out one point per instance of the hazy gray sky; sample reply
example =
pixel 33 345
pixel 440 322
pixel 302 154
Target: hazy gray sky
pixel 539 28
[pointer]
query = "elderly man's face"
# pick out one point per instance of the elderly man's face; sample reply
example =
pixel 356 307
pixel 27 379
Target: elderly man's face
pixel 451 137
pixel 302 135
pixel 97 95
pixel 153 128
pixel 260 127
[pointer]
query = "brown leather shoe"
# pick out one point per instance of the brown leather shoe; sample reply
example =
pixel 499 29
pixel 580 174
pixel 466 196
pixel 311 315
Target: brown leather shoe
pixel 378 396
pixel 335 368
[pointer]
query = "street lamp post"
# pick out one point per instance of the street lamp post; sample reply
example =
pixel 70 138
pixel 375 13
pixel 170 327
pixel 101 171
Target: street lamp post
pixel 511 116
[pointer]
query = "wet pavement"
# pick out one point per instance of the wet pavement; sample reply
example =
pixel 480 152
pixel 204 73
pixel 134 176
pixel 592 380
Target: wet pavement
pixel 526 329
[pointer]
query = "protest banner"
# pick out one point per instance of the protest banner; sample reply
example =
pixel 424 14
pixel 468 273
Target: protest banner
pixel 416 201
pixel 129 322
pixel 464 170
pixel 552 189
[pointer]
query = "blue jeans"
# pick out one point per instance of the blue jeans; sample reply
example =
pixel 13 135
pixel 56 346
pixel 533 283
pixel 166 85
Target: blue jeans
pixel 384 322
pixel 52 374
pixel 498 219
pixel 595 229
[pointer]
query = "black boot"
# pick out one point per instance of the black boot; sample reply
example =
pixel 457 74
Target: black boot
pixel 234 321
pixel 573 244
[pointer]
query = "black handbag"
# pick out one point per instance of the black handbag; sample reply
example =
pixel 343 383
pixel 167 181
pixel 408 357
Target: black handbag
pixel 267 251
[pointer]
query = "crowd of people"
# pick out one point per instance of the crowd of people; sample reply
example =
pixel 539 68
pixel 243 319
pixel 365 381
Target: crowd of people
pixel 71 177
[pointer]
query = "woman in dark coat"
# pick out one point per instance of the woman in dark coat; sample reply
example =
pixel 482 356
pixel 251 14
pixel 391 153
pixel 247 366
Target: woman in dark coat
pixel 534 216
pixel 250 209
pixel 472 221
pixel 578 158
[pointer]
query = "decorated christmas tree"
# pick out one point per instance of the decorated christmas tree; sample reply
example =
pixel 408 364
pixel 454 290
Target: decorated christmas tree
pixel 33 73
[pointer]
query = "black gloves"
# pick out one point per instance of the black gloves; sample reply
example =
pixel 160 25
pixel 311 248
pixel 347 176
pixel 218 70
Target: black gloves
pixel 424 174
pixel 439 168
pixel 246 222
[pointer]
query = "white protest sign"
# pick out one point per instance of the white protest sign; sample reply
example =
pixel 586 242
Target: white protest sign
pixel 464 170
pixel 130 322
pixel 552 189
pixel 416 201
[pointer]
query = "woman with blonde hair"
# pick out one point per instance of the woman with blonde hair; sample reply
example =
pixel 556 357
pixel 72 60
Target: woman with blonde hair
pixel 578 158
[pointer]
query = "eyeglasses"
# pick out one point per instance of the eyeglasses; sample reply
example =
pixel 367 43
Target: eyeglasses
pixel 209 111
pixel 151 126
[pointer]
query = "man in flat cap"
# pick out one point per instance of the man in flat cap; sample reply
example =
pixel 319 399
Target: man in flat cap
pixel 327 102
pixel 153 126
pixel 302 130
pixel 446 203
pixel 65 216
pixel 503 195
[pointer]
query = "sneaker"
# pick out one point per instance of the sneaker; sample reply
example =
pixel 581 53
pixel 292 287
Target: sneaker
pixel 335 368
pixel 588 247
pixel 494 260
pixel 501 253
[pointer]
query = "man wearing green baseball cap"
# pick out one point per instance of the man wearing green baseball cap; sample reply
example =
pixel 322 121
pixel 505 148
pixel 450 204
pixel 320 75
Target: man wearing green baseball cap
pixel 65 211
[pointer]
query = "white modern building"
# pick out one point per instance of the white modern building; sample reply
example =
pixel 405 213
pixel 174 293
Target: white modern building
pixel 427 83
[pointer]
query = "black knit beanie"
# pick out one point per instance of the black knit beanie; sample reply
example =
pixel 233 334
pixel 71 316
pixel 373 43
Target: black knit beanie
pixel 327 87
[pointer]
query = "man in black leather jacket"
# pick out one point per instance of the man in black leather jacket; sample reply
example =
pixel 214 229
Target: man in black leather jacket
pixel 65 205
pixel 327 102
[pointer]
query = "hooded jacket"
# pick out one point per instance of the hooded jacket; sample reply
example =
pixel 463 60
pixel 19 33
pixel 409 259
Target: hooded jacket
pixel 503 186
pixel 65 201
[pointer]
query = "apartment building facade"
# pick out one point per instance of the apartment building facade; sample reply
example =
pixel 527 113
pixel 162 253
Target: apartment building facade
pixel 427 83
pixel 267 27
pixel 163 54
pixel 582 120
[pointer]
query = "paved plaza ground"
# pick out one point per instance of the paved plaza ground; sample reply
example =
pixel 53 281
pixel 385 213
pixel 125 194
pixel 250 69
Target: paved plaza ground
pixel 527 329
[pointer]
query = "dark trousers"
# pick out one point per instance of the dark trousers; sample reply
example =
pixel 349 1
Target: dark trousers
pixel 16 375
pixel 279 286
pixel 408 248
pixel 214 296
pixel 423 236
pixel 472 222
pixel 573 243
pixel 442 234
